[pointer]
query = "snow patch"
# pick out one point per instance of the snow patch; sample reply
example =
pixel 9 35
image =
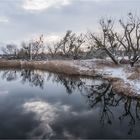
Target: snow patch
pixel 121 73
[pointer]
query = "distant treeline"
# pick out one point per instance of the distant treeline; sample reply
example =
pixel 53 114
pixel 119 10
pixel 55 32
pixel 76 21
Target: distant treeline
pixel 121 44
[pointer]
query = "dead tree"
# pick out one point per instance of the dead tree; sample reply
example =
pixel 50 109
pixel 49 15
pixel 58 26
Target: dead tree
pixel 71 44
pixel 130 38
pixel 67 43
pixel 106 40
pixel 25 51
pixel 54 48
pixel 32 49
pixel 79 41
pixel 10 49
pixel 36 46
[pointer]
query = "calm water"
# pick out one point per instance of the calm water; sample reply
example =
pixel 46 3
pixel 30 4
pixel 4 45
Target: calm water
pixel 36 104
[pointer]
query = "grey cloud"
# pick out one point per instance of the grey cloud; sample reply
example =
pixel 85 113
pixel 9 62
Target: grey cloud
pixel 80 15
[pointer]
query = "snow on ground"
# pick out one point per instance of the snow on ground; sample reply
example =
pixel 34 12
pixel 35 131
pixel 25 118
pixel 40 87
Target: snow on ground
pixel 116 72
pixel 90 82
pixel 123 74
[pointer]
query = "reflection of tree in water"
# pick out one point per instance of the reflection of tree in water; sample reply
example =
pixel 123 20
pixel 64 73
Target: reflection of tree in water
pixel 9 75
pixel 102 95
pixel 35 78
pixel 71 83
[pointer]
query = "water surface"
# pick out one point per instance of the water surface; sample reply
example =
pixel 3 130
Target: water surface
pixel 35 104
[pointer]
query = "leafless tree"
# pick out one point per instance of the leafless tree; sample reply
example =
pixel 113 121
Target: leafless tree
pixel 37 46
pixel 67 43
pixel 25 51
pixel 54 48
pixel 107 40
pixel 10 49
pixel 32 49
pixel 71 43
pixel 130 38
pixel 79 41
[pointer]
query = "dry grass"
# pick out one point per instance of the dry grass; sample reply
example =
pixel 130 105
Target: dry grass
pixel 9 64
pixel 56 66
pixel 135 74
pixel 122 88
pixel 119 86
pixel 65 67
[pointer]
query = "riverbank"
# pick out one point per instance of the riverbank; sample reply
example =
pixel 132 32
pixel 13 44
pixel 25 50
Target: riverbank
pixel 124 79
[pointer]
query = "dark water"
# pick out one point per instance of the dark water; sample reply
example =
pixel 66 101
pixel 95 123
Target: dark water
pixel 36 104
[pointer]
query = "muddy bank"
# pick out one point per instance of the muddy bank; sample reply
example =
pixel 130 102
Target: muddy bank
pixel 93 68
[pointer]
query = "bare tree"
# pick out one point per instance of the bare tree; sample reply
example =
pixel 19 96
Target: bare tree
pixel 71 43
pixel 130 38
pixel 67 43
pixel 36 46
pixel 54 48
pixel 10 49
pixel 107 40
pixel 32 49
pixel 79 41
pixel 25 51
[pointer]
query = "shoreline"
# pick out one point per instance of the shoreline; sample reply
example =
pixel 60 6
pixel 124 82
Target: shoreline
pixel 93 68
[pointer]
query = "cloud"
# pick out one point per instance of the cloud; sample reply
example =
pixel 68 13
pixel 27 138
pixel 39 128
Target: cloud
pixel 43 16
pixel 46 113
pixel 3 19
pixel 38 5
pixel 52 38
pixel 49 38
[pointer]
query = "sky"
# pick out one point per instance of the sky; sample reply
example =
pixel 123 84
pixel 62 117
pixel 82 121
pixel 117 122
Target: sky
pixel 24 19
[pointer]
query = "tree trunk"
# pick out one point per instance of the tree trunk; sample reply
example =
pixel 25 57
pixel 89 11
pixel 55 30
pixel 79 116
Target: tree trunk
pixel 132 62
pixel 111 56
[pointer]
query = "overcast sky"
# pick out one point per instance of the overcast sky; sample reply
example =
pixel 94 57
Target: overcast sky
pixel 23 19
